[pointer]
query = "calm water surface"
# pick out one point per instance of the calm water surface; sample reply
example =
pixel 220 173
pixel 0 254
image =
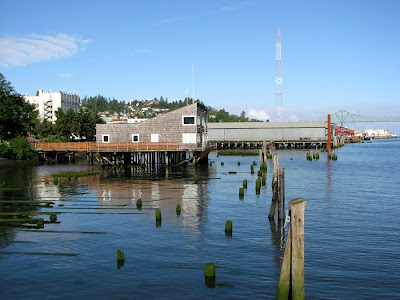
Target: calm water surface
pixel 352 239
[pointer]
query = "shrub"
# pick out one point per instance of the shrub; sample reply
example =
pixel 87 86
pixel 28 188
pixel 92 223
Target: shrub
pixel 21 148
pixel 5 150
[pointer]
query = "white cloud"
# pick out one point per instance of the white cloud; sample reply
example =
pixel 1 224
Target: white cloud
pixel 23 50
pixel 257 114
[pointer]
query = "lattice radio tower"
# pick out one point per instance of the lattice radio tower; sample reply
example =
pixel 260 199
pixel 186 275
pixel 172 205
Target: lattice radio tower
pixel 278 79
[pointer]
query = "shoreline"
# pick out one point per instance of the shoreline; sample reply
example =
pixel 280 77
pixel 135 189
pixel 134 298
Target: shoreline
pixel 7 163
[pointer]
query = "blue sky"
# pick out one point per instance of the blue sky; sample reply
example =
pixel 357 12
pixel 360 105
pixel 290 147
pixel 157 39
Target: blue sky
pixel 335 54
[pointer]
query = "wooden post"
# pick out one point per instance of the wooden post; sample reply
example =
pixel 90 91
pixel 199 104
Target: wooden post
pixel 276 165
pixel 265 152
pixel 274 201
pixel 329 135
pixel 284 278
pixel 292 269
pixel 281 195
pixel 261 157
pixel 297 208
pixel 167 158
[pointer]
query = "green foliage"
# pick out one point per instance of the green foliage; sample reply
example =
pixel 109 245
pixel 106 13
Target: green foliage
pixel 71 124
pixel 54 139
pixel 21 148
pixel 5 150
pixel 76 174
pixel 66 123
pixel 44 129
pixel 17 117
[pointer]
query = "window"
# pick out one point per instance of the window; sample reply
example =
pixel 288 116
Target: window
pixel 135 138
pixel 105 138
pixel 188 120
pixel 154 137
pixel 189 138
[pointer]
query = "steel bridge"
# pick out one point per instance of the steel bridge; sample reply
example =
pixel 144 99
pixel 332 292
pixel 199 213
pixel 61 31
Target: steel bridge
pixel 343 116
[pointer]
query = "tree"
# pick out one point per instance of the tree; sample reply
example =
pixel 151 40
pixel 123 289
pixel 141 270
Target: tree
pixel 44 129
pixel 17 117
pixel 243 115
pixel 66 123
pixel 87 121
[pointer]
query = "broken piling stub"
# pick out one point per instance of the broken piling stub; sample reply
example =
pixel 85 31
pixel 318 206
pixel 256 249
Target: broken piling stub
pixel 139 203
pixel 53 218
pixel 120 255
pixel 209 274
pixel 178 209
pixel 241 192
pixel 40 223
pixel 158 214
pixel 228 227
pixel 258 186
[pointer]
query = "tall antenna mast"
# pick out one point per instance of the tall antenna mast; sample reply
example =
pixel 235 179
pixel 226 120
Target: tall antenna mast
pixel 193 80
pixel 278 79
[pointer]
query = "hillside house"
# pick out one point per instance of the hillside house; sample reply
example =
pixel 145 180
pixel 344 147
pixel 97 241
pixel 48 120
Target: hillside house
pixel 186 126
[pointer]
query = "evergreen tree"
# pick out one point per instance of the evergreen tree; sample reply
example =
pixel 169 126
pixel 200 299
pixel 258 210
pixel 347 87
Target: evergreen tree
pixel 17 117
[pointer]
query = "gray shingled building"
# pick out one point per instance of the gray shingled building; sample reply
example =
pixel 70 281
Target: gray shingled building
pixel 186 126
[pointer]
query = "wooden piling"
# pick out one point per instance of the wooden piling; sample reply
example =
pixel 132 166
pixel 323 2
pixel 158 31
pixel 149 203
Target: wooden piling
pixel 329 136
pixel 265 152
pixel 281 195
pixel 275 189
pixel 276 159
pixel 284 278
pixel 292 269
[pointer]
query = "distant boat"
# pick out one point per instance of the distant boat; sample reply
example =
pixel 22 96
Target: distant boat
pixel 392 136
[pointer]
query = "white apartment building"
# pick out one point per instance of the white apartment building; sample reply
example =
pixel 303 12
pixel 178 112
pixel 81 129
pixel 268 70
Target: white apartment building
pixel 47 103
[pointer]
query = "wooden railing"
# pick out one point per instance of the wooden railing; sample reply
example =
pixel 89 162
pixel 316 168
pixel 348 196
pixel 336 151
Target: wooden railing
pixel 106 147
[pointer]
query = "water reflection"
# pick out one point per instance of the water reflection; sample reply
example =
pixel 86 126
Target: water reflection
pixel 161 188
pixel 329 179
pixel 17 184
pixel 278 239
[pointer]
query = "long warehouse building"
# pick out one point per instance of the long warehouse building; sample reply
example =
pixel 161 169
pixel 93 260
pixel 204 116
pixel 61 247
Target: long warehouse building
pixel 295 134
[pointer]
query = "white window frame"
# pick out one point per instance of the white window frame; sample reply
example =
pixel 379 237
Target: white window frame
pixel 195 120
pixel 138 138
pixel 189 138
pixel 102 138
pixel 154 136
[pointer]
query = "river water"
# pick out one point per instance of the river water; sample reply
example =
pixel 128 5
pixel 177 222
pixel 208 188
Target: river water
pixel 352 240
